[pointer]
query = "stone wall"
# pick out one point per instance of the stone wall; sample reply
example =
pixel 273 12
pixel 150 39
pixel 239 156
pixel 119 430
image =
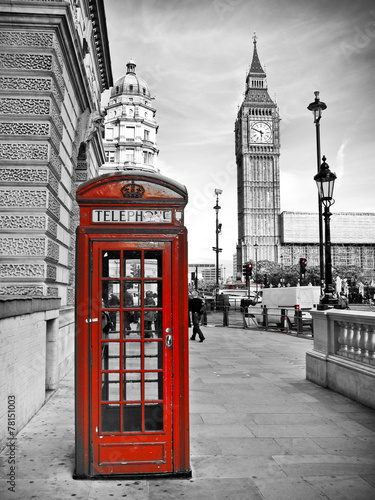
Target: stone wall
pixel 31 356
pixel 343 358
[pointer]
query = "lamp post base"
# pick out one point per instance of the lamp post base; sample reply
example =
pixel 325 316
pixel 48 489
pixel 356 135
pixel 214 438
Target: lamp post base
pixel 329 300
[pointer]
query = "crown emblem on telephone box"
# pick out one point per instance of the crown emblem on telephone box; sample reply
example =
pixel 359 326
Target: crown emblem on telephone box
pixel 132 190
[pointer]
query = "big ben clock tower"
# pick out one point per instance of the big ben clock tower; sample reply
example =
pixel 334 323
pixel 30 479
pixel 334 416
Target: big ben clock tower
pixel 258 173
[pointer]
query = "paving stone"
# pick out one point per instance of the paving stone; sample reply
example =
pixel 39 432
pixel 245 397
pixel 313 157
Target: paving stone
pixel 258 430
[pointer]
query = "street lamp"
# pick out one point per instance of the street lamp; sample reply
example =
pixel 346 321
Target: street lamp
pixel 317 107
pixel 218 231
pixel 325 181
pixel 256 267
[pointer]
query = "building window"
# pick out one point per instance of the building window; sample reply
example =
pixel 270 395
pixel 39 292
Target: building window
pixel 148 158
pixel 130 133
pixel 144 91
pixel 129 155
pixel 109 157
pixel 109 133
pixel 147 135
pixel 130 88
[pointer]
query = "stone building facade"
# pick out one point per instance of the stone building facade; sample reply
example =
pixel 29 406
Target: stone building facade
pixel 352 240
pixel 130 126
pixel 54 65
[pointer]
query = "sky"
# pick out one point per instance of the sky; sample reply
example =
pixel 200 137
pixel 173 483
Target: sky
pixel 195 55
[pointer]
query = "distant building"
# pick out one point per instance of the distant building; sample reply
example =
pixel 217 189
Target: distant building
pixel 288 236
pixel 352 237
pixel 130 126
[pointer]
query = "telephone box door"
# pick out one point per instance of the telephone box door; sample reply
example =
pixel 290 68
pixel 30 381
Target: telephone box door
pixel 131 367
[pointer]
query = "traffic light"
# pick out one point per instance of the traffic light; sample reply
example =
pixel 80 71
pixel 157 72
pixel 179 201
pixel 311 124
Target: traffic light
pixel 302 265
pixel 249 270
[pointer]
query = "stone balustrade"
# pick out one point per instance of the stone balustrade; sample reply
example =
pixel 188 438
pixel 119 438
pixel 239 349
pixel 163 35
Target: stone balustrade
pixel 343 357
pixel 357 340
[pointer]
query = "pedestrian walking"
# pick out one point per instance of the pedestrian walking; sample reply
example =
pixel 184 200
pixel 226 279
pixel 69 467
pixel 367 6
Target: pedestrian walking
pixel 196 308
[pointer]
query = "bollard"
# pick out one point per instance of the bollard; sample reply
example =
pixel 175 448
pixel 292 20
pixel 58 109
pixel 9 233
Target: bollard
pixel 283 320
pixel 225 316
pixel 265 317
pixel 298 319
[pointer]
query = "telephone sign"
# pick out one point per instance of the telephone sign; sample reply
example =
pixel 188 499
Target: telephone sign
pixel 131 328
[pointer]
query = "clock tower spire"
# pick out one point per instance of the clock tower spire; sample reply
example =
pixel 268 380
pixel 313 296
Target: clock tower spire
pixel 258 173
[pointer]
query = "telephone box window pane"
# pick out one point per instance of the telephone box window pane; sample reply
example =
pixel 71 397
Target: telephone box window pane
pixel 153 294
pixel 131 323
pixel 110 325
pixel 111 418
pixel 153 386
pixel 153 355
pixel 153 264
pixel 132 264
pixel 132 356
pixel 154 417
pixel 132 294
pixel 132 418
pixel 110 387
pixel 149 324
pixel 111 264
pixel 110 294
pixel 153 324
pixel 110 355
pixel 132 387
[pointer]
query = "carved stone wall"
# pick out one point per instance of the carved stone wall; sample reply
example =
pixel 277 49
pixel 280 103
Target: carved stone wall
pixel 45 112
pixel 32 91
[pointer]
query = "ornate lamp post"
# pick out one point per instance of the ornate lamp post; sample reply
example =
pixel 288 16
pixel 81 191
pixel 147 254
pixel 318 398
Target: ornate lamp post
pixel 325 181
pixel 218 231
pixel 317 107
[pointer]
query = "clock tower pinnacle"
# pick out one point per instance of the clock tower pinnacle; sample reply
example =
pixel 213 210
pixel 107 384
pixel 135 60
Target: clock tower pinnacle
pixel 257 148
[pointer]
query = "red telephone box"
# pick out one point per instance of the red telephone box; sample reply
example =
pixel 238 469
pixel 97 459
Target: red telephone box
pixel 132 410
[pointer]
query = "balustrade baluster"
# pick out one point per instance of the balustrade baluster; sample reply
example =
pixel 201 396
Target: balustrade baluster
pixel 363 342
pixel 370 344
pixel 343 338
pixel 357 341
pixel 350 339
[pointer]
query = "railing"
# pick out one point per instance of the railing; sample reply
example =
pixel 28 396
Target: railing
pixel 356 340
pixel 343 357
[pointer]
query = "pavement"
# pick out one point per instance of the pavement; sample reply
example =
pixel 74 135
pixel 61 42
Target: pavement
pixel 259 430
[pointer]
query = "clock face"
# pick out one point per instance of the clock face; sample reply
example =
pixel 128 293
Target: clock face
pixel 260 133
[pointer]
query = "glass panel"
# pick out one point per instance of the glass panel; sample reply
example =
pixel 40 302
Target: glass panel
pixel 132 324
pixel 132 387
pixel 111 418
pixel 110 294
pixel 149 324
pixel 153 291
pixel 132 294
pixel 111 264
pixel 153 324
pixel 153 264
pixel 153 356
pixel 132 264
pixel 132 418
pixel 110 387
pixel 110 325
pixel 132 356
pixel 110 355
pixel 154 417
pixel 153 386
